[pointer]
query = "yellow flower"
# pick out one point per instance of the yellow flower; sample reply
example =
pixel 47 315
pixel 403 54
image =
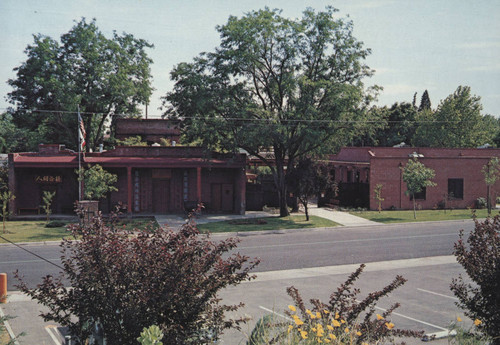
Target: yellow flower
pixel 332 336
pixel 313 329
pixel 312 316
pixel 327 340
pixel 337 316
pixel 335 323
pixel 303 334
pixel 318 315
pixel 308 312
pixel 292 308
pixel 290 327
pixel 297 320
pixel 477 322
pixel 358 333
pixel 459 319
pixel 342 321
pixel 389 325
pixel 329 327
pixel 379 317
pixel 326 311
pixel 364 343
pixel 346 330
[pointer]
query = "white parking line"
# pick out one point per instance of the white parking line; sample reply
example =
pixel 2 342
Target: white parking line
pixel 382 309
pixel 438 294
pixel 8 328
pixel 275 313
pixel 51 330
pixel 413 319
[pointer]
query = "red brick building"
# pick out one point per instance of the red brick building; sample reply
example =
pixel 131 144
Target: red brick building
pixel 458 176
pixel 150 179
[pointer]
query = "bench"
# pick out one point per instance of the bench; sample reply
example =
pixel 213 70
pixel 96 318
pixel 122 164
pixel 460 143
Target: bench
pixel 28 210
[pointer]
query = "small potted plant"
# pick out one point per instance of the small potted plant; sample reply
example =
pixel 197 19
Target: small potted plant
pixel 97 182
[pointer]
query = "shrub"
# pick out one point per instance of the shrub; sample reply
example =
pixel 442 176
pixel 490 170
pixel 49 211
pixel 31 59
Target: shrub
pixel 481 203
pixel 480 257
pixel 123 282
pixel 343 320
pixel 55 224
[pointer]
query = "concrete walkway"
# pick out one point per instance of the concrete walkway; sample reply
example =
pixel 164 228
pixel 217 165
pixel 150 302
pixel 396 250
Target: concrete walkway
pixel 342 218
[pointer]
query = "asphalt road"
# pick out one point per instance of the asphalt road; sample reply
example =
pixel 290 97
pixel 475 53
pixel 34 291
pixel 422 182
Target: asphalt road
pixel 283 250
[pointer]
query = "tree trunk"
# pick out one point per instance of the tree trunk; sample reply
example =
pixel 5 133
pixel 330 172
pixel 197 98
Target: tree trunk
pixel 488 201
pixel 306 209
pixel 414 207
pixel 279 179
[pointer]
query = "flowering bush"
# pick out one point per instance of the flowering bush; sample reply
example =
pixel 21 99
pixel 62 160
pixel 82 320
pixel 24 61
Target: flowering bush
pixel 120 282
pixel 343 320
pixel 480 257
pixel 460 335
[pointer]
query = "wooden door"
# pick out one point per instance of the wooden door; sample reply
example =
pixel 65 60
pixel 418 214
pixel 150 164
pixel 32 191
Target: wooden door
pixel 161 195
pixel 216 197
pixel 227 197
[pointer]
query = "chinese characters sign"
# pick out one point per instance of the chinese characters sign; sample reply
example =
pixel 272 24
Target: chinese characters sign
pixel 48 179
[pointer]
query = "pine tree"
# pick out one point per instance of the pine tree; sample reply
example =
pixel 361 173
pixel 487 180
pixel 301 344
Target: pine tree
pixel 425 102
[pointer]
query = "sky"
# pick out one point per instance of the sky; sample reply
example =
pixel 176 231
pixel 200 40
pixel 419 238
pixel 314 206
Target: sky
pixel 417 45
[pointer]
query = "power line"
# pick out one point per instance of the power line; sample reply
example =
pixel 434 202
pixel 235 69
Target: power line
pixel 207 119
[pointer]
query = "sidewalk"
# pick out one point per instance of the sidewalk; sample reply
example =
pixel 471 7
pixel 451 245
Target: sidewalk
pixel 342 218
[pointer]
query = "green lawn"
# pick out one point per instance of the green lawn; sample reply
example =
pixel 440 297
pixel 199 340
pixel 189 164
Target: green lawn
pixel 422 215
pixel 35 230
pixel 32 231
pixel 267 223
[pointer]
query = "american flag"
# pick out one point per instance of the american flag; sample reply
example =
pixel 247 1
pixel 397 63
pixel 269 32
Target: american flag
pixel 81 132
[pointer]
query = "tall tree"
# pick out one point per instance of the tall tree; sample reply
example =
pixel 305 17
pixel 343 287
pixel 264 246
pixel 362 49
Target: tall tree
pixel 101 75
pixel 290 87
pixel 417 177
pixel 457 122
pixel 425 102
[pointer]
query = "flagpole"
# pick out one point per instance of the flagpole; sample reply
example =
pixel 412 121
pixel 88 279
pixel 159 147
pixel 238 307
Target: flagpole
pixel 79 156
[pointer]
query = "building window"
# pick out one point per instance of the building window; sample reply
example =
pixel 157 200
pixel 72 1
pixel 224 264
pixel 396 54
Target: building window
pixel 455 188
pixel 349 176
pixel 420 195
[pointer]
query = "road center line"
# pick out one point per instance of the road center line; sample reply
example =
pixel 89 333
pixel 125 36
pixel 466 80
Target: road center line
pixel 438 294
pixel 25 261
pixel 349 241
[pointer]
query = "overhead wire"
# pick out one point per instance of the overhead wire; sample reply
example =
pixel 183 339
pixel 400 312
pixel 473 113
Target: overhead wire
pixel 207 119
pixel 32 253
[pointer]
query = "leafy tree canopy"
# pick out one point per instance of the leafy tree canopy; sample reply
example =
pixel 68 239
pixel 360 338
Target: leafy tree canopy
pixel 417 177
pixel 101 75
pixel 457 122
pixel 289 86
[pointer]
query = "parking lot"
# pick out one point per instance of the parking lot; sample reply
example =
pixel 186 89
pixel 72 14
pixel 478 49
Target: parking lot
pixel 426 300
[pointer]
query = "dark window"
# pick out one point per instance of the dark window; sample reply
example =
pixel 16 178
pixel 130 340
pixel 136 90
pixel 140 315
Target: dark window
pixel 420 195
pixel 455 188
pixel 349 176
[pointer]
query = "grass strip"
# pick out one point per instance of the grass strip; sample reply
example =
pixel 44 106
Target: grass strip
pixel 267 223
pixel 422 215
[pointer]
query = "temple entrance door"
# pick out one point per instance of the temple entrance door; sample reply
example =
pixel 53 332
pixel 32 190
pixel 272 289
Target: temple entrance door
pixel 161 195
pixel 222 197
